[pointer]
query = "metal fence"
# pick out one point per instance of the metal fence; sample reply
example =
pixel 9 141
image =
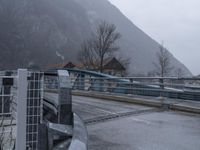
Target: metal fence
pixel 175 88
pixel 34 108
pixel 30 120
pixel 20 109
pixel 7 118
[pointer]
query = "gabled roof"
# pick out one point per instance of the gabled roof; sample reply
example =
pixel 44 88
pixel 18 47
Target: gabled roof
pixel 69 65
pixel 63 65
pixel 114 64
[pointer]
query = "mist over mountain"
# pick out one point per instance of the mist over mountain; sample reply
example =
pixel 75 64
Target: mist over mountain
pixel 43 32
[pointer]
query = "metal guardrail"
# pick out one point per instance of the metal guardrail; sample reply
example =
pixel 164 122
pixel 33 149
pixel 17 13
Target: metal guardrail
pixel 175 88
pixel 61 122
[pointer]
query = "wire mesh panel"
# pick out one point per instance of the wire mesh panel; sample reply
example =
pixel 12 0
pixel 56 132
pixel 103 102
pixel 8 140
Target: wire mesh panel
pixel 34 109
pixel 7 120
pixel 21 95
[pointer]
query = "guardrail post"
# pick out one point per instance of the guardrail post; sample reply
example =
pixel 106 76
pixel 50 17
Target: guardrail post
pixel 21 109
pixel 65 115
pixel 161 80
pixel 80 81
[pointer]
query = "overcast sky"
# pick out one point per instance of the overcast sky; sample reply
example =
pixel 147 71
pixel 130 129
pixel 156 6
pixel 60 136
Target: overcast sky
pixel 176 22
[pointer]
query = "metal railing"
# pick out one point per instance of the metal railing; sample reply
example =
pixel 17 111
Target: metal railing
pixel 175 88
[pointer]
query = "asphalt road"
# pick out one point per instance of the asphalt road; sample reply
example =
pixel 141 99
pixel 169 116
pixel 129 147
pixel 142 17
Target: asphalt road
pixel 89 108
pixel 153 130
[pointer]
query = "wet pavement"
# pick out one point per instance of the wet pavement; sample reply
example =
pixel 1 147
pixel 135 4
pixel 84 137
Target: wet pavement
pixel 164 130
pixel 89 108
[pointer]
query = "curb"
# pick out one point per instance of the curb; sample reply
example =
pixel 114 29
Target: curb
pixel 179 107
pixel 139 101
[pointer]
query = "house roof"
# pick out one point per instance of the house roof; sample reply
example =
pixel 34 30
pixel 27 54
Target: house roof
pixel 63 65
pixel 114 64
pixel 69 65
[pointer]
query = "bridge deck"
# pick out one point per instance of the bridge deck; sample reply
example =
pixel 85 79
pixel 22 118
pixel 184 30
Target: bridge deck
pixel 90 108
pixel 115 126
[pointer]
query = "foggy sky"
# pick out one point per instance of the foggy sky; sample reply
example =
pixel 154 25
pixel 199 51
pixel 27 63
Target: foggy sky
pixel 176 22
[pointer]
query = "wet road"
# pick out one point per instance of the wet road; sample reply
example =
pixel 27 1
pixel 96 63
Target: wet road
pixel 89 108
pixel 164 130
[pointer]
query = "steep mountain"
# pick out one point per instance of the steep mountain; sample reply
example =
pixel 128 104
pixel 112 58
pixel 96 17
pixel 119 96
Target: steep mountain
pixel 43 32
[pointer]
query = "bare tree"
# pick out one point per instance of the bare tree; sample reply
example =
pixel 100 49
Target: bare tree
pixel 87 55
pixel 100 47
pixel 179 72
pixel 163 64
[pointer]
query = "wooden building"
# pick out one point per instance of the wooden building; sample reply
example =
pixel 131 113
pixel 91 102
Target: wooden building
pixel 114 67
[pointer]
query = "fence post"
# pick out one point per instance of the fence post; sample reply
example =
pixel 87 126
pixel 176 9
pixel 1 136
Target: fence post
pixel 21 109
pixel 65 115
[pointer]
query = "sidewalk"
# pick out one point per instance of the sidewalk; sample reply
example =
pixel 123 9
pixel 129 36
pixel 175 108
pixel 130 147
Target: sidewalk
pixel 173 104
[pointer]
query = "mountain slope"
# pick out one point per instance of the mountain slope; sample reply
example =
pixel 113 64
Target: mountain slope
pixel 135 42
pixel 55 29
